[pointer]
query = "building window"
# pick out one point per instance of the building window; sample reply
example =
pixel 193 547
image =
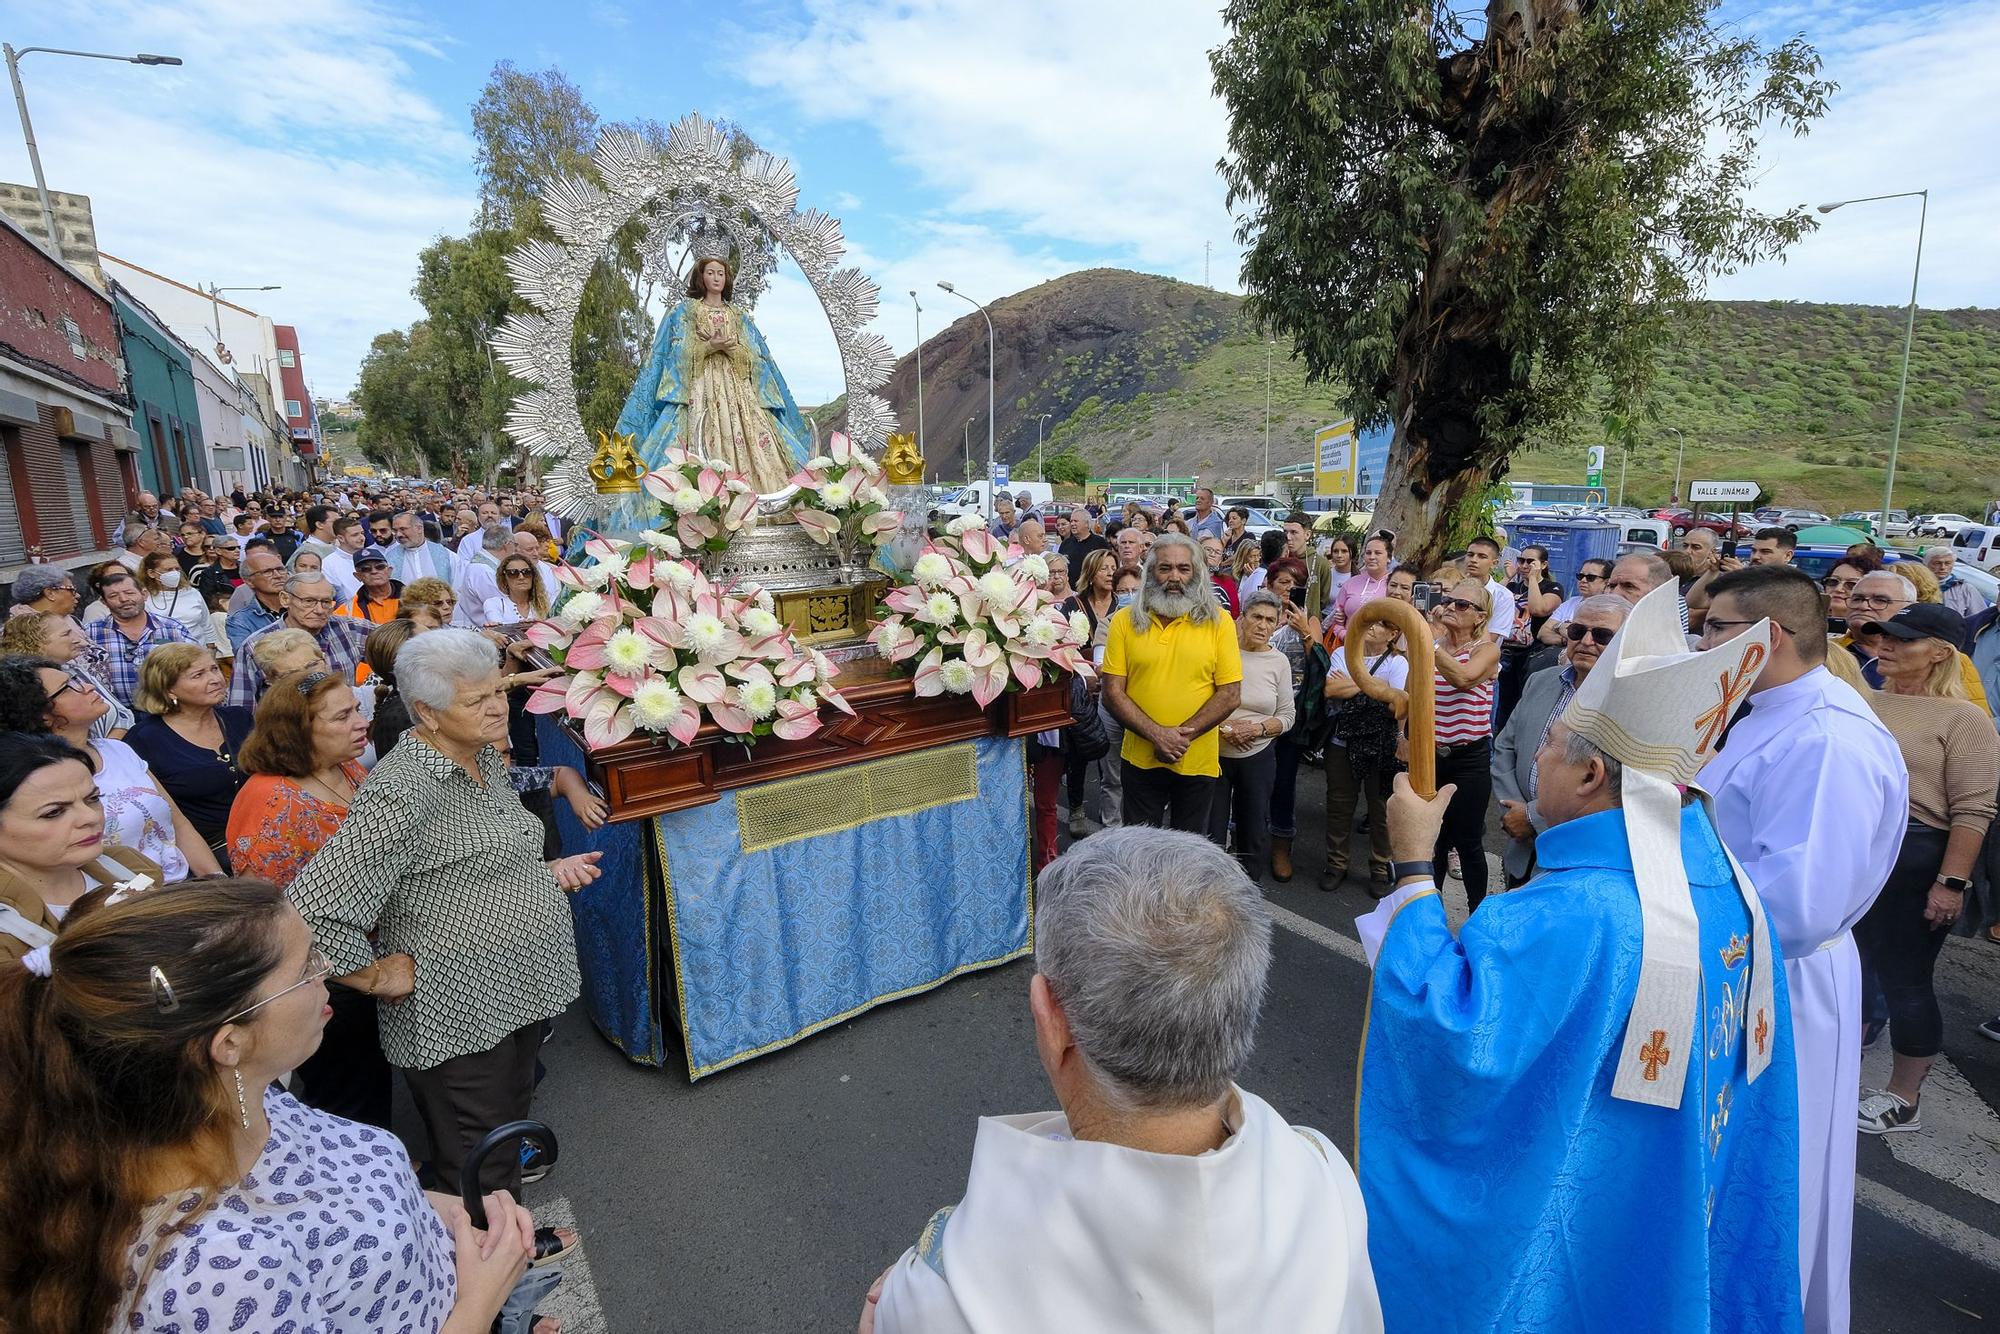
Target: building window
pixel 289 360
pixel 292 408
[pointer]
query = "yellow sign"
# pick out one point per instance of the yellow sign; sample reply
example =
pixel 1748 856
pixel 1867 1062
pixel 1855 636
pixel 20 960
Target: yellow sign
pixel 1335 458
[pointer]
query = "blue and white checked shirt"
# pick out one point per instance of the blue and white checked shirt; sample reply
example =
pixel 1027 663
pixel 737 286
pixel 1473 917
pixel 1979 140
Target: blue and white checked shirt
pixel 123 655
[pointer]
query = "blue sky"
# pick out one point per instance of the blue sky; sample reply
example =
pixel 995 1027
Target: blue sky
pixel 321 143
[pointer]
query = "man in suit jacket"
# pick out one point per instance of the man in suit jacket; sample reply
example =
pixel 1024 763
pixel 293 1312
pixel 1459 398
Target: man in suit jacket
pixel 1543 699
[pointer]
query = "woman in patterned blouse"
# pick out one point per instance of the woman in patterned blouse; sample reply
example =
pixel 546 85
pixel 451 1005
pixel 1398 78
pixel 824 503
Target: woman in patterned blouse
pixel 156 1180
pixel 434 896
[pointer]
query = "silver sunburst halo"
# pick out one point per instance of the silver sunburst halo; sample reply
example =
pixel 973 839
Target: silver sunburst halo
pixel 694 175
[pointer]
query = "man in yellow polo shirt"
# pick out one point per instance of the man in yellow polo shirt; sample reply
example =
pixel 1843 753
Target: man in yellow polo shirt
pixel 1172 672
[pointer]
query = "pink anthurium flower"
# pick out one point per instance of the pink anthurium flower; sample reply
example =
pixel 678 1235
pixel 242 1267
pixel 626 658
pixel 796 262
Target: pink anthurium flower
pixel 740 507
pixel 730 717
pixel 608 721
pixel 990 684
pixel 979 547
pixel 928 681
pixel 549 697
pixel 828 695
pixel 548 635
pixel 795 720
pixel 586 651
pixel 696 529
pixel 703 684
pixel 882 521
pixel 1027 671
pixel 820 525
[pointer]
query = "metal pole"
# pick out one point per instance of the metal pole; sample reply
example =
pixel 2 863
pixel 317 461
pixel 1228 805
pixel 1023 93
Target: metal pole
pixel 1268 345
pixel 1903 384
pixel 1678 460
pixel 920 369
pixel 991 475
pixel 1624 463
pixel 1041 459
pixel 34 154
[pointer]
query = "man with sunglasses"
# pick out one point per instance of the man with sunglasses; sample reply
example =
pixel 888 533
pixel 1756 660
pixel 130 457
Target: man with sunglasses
pixel 1544 697
pixel 1592 577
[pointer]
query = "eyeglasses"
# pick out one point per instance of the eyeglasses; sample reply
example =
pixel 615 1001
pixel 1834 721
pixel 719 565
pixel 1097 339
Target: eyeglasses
pixel 297 600
pixel 1588 578
pixel 1833 585
pixel 1459 604
pixel 317 970
pixel 1711 625
pixel 1598 634
pixel 1874 600
pixel 69 683
pixel 518 573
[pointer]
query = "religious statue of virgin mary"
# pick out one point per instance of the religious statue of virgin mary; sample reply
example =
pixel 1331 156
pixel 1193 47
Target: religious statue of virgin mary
pixel 712 389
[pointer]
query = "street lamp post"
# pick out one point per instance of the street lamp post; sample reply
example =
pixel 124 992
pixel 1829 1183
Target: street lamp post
pixel 990 482
pixel 215 305
pixel 1041 462
pixel 1679 458
pixel 28 129
pixel 1624 463
pixel 1269 343
pixel 920 369
pixel 1909 332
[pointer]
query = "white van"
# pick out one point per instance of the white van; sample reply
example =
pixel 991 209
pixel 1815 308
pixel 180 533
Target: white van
pixel 1978 544
pixel 978 495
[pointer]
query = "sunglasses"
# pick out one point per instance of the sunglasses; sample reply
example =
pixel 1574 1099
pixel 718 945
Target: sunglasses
pixel 1598 634
pixel 1587 578
pixel 518 573
pixel 1459 604
pixel 317 970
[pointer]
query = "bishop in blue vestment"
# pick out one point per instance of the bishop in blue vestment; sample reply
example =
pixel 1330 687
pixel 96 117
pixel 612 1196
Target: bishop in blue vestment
pixel 1579 1112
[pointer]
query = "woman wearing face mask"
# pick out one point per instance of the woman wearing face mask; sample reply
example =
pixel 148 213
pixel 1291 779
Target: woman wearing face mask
pixel 168 595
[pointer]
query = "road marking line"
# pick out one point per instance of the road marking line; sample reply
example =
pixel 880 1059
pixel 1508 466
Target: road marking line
pixel 1326 936
pixel 1960 1141
pixel 1942 1228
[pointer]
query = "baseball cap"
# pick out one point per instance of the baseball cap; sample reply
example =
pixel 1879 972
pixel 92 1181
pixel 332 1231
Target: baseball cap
pixel 1920 620
pixel 370 554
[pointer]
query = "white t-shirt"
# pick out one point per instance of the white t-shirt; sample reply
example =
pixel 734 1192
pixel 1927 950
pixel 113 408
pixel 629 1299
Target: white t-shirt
pixel 1501 624
pixel 185 605
pixel 136 815
pixel 1394 671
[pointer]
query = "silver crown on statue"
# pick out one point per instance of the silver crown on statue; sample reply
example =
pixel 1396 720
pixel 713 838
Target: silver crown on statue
pixel 709 239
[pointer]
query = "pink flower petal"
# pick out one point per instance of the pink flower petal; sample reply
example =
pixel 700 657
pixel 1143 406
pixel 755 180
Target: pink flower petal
pixel 549 635
pixel 703 684
pixel 882 521
pixel 608 722
pixel 796 729
pixel 989 685
pixel 731 718
pixel 684 724
pixel 819 525
pixel 549 697
pixel 587 650
pixel 928 681
pixel 828 695
pixel 1028 672
pixel 739 509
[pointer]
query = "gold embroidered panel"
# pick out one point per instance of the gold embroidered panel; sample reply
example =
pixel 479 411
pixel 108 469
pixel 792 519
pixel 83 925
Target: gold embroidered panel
pixel 807 807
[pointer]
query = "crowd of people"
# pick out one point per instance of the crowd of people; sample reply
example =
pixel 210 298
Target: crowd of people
pixel 330 766
pixel 305 712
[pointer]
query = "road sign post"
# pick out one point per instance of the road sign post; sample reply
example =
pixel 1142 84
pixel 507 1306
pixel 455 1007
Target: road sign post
pixel 1594 467
pixel 1723 493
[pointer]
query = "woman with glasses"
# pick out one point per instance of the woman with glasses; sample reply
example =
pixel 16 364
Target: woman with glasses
pixel 1536 599
pixel 157 1178
pixel 52 848
pixel 1465 661
pixel 521 596
pixel 38 696
pixel 62 641
pixel 1953 755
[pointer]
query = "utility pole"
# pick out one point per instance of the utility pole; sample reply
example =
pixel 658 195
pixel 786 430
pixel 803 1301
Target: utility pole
pixel 1206 246
pixel 1269 344
pixel 920 369
pixel 1041 461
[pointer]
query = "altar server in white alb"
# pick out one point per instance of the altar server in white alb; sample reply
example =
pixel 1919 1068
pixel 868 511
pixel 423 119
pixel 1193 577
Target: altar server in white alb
pixel 1162 1197
pixel 1811 794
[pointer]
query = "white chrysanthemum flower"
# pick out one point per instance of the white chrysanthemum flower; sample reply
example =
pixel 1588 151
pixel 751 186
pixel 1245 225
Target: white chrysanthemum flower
pixel 677 574
pixel 998 586
pixel 822 665
pixel 931 569
pixel 738 485
pixel 687 500
pixel 627 653
pixel 1079 627
pixel 759 699
pixel 805 696
pixel 964 524
pixel 664 542
pixel 705 633
pixel 1044 633
pixel 757 623
pixel 717 464
pixel 956 676
pixel 654 705
pixel 581 608
pixel 819 462
pixel 597 576
pixel 1035 568
pixel 835 494
pixel 941 607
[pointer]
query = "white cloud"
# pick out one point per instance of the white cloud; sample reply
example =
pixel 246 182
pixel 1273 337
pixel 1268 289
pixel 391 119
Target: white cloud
pixel 292 148
pixel 1086 123
pixel 1915 111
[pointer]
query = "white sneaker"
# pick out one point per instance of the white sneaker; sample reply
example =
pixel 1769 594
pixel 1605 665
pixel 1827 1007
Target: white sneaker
pixel 1886 1114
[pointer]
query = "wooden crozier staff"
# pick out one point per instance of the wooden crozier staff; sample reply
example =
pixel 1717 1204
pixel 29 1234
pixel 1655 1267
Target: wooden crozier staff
pixel 1418 705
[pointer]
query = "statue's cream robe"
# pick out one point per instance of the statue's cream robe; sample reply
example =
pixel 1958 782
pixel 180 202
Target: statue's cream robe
pixel 1812 796
pixel 1056 1234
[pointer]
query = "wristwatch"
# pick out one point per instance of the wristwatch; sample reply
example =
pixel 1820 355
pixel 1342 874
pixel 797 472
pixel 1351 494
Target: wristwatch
pixel 1407 870
pixel 1957 884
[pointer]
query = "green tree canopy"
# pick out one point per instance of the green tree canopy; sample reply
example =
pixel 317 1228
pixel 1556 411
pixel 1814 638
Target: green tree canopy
pixel 1470 223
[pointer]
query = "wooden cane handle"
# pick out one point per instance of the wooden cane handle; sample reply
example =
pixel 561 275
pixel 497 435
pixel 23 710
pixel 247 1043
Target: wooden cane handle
pixel 1422 688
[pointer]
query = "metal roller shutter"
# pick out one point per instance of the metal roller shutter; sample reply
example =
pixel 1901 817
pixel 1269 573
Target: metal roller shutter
pixel 13 546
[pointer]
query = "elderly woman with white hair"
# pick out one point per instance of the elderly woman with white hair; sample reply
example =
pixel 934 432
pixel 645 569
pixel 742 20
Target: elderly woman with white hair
pixel 1162 1195
pixel 433 897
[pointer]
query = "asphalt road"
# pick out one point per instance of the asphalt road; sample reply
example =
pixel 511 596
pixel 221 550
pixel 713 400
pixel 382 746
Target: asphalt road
pixel 767 1197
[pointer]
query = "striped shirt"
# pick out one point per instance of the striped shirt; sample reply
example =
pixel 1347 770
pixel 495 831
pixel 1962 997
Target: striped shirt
pixel 1463 715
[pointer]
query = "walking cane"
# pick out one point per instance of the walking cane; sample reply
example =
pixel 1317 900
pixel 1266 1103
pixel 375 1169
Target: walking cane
pixel 1421 695
pixel 499 1136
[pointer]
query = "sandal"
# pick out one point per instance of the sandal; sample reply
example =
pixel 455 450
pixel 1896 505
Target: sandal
pixel 553 1244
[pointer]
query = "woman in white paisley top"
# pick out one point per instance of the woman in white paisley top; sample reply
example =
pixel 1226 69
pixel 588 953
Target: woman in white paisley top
pixel 156 1180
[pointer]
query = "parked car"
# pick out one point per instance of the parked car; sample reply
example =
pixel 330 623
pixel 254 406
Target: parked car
pixel 1939 525
pixel 1978 546
pixel 1985 581
pixel 1791 519
pixel 1818 560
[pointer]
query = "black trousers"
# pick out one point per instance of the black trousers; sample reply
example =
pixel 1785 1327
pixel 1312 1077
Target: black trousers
pixel 1166 800
pixel 1464 828
pixel 1243 793
pixel 1899 949
pixel 467 1096
pixel 1345 787
pixel 348 1075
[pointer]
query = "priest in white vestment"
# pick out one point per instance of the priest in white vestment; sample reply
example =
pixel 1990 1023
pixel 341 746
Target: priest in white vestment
pixel 1811 795
pixel 1162 1197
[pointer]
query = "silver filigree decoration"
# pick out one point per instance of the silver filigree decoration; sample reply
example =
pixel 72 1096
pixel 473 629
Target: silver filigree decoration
pixel 694 177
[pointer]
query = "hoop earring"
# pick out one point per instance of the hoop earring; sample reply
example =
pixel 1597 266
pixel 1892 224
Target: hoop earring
pixel 242 1107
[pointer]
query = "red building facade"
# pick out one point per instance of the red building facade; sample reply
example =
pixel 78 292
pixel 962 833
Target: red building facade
pixel 301 418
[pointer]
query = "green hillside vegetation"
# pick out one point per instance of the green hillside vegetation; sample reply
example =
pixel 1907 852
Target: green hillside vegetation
pixel 1141 373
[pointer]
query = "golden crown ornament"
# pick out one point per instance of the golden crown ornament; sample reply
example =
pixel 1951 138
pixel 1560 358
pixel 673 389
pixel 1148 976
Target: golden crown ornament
pixel 616 469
